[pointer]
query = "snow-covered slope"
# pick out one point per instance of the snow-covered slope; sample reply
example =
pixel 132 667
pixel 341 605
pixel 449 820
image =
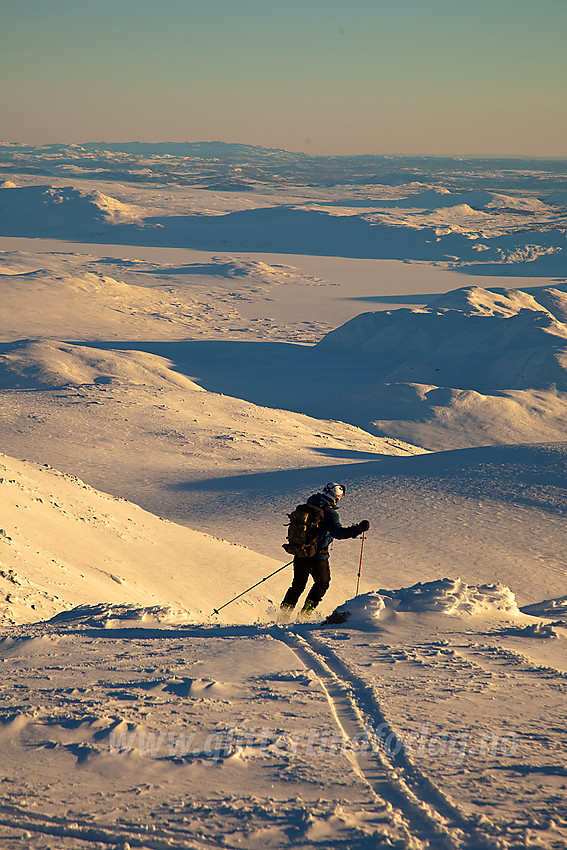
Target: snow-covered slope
pixel 475 366
pixel 472 338
pixel 380 726
pixel 130 424
pixel 485 515
pixel 73 300
pixel 47 364
pixel 33 210
pixel 64 544
pixel 84 297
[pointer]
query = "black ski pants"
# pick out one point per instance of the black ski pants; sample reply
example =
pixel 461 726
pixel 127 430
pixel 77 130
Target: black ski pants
pixel 319 569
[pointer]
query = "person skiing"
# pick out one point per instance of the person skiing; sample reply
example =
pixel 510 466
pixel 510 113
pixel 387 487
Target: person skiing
pixel 317 566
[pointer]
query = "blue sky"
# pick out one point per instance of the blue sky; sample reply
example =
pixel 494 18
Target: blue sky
pixel 327 76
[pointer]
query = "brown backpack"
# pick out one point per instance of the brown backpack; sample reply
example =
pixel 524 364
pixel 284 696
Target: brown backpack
pixel 305 524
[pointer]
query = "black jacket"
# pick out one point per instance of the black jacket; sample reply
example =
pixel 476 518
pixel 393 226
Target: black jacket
pixel 332 528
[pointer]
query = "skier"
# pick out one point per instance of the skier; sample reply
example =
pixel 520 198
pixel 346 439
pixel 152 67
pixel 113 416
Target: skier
pixel 318 565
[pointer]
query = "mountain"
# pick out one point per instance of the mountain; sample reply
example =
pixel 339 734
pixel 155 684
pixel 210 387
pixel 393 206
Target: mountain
pixel 475 366
pixel 471 339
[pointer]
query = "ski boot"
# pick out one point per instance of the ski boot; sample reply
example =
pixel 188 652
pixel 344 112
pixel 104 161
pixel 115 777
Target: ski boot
pixel 307 610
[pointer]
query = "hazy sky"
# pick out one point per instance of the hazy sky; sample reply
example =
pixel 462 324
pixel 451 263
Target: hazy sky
pixel 326 76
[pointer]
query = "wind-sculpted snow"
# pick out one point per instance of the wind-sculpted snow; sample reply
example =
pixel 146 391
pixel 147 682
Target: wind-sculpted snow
pixel 105 614
pixel 552 608
pixel 451 597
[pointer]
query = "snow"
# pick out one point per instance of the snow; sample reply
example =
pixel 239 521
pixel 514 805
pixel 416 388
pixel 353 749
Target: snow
pixel 452 597
pixel 475 300
pixel 257 206
pixel 46 364
pixel 65 544
pixel 172 406
pixel 24 208
pixel 477 362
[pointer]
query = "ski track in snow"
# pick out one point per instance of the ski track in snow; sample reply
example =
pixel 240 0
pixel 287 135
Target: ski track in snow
pixel 59 675
pixel 428 817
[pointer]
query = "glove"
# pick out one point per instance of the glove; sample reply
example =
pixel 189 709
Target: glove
pixel 362 526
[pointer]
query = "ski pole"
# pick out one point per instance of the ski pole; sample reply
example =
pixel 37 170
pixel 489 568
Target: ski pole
pixel 360 564
pixel 216 610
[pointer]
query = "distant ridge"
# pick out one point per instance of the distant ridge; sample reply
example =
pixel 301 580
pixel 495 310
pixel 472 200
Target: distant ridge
pixel 206 150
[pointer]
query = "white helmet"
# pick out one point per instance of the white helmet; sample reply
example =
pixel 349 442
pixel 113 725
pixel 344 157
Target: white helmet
pixel 336 491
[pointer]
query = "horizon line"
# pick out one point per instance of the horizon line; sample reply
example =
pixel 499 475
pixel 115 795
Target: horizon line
pixel 457 156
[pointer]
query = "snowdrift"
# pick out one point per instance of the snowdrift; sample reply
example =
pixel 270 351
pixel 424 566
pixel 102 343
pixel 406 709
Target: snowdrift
pixel 450 598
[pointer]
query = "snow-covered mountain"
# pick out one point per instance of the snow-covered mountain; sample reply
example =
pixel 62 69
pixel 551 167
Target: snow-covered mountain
pixel 475 366
pixel 241 199
pixel 471 339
